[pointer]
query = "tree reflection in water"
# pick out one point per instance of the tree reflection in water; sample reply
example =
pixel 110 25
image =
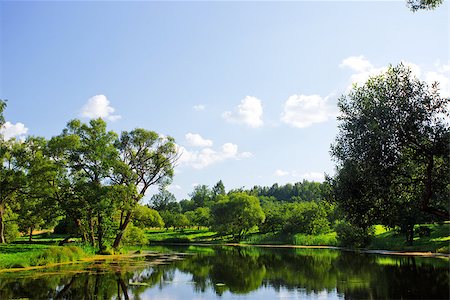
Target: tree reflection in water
pixel 238 270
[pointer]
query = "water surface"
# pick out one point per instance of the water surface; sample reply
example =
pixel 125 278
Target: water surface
pixel 200 272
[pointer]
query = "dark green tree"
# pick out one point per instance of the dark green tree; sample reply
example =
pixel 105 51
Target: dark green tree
pixel 392 151
pixel 201 196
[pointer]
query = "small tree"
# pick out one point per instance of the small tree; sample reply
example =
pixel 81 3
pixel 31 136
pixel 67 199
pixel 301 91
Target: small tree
pixel 236 214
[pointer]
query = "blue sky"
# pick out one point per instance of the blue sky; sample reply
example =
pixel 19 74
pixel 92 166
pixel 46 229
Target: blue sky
pixel 247 89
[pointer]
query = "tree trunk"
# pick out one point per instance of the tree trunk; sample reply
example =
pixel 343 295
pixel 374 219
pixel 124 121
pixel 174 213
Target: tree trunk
pixel 31 234
pixel 428 193
pixel 2 226
pixel 122 228
pixel 91 233
pixel 100 232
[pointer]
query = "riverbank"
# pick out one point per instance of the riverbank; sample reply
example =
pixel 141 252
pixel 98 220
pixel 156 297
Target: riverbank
pixel 437 241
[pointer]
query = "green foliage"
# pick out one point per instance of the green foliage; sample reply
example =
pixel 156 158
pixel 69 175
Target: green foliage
pixel 392 152
pixel 175 220
pixel 352 236
pixel 201 196
pixel 199 217
pixel 325 239
pixel 145 217
pixel 236 214
pixel 305 217
pixel 134 236
pixel 162 200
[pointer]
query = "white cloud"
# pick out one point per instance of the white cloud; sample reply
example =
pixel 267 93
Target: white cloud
pixel 281 173
pixel 363 69
pixel 356 63
pixel 9 130
pixel 305 110
pixel 199 107
pixel 196 140
pixel 249 112
pixel 99 107
pixel 207 156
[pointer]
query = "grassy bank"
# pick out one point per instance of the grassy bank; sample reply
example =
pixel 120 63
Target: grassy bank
pixel 437 241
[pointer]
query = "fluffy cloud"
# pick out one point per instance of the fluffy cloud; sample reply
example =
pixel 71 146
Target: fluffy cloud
pixel 248 112
pixel 9 130
pixel 196 140
pixel 199 107
pixel 99 107
pixel 305 110
pixel 281 173
pixel 207 156
pixel 363 69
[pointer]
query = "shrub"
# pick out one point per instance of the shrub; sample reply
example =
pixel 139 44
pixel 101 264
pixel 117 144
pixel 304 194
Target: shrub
pixel 11 231
pixel 134 236
pixel 349 235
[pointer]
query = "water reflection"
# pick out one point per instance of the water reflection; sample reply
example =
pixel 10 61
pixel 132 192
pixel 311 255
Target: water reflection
pixel 222 272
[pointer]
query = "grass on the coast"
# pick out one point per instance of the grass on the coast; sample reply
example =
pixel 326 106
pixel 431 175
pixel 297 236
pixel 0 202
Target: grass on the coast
pixel 385 239
pixel 437 241
pixel 27 254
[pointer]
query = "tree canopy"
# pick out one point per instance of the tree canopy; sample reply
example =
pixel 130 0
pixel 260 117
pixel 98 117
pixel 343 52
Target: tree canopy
pixel 392 149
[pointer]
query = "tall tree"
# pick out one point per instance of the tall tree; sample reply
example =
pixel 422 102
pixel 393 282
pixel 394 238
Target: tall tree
pixel 91 156
pixel 147 159
pixel 38 204
pixel 393 136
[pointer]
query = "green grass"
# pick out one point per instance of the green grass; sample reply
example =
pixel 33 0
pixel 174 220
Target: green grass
pixel 27 255
pixel 326 239
pixel 42 251
pixel 438 241
pixel 182 236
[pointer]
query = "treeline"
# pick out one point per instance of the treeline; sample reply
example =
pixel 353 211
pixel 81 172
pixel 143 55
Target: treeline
pixel 291 208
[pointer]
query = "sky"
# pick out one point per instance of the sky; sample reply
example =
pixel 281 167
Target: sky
pixel 247 89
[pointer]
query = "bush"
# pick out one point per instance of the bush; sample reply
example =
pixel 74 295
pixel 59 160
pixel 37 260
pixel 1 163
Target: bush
pixel 134 236
pixel 349 235
pixel 11 231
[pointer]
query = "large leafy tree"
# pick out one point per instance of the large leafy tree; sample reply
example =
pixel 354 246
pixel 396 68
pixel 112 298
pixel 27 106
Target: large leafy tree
pixel 90 157
pixel 11 173
pixel 146 159
pixel 38 197
pixel 392 150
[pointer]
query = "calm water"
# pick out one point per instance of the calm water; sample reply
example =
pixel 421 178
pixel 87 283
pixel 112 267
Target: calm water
pixel 237 273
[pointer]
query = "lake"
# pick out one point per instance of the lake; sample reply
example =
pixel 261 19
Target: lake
pixel 225 272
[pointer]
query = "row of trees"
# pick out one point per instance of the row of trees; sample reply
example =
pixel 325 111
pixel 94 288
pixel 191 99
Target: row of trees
pixel 92 177
pixel 296 208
